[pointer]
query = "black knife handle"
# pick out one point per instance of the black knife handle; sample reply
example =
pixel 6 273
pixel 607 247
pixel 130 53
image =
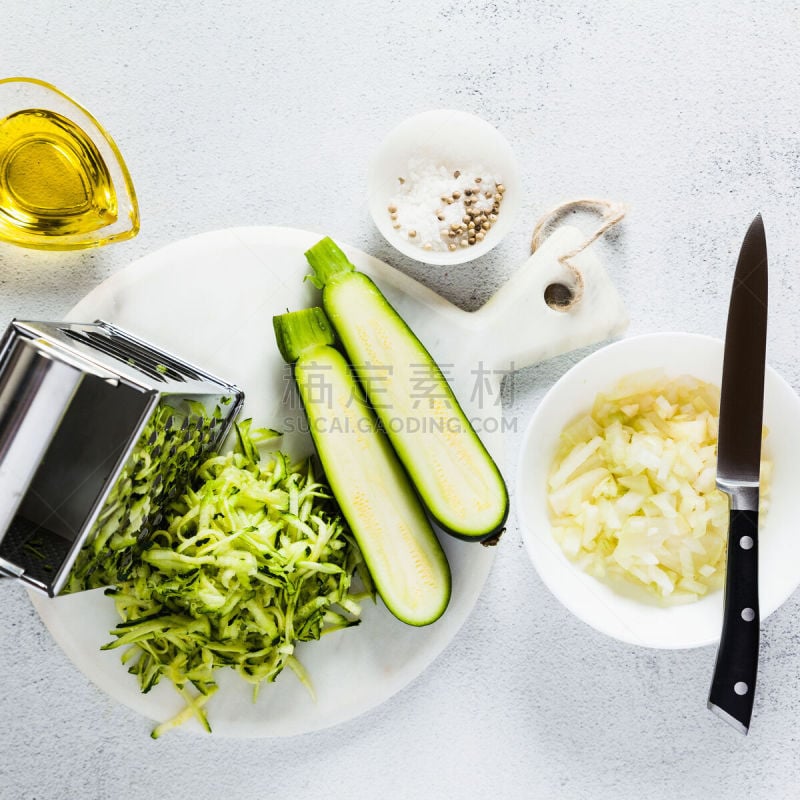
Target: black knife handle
pixel 734 682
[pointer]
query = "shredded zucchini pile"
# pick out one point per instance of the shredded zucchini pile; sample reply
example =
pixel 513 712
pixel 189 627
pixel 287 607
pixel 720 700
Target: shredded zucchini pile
pixel 254 558
pixel 158 466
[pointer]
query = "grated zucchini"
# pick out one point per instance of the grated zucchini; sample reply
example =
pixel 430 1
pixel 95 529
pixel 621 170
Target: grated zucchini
pixel 250 561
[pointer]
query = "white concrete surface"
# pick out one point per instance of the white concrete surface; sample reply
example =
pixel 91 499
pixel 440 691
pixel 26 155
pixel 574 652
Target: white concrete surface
pixel 251 113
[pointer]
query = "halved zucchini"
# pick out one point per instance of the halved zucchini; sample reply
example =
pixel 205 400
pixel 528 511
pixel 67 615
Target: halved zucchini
pixel 453 472
pixel 404 557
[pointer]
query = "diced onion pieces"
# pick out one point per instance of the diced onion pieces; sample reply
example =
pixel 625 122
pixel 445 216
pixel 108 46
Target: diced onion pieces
pixel 632 493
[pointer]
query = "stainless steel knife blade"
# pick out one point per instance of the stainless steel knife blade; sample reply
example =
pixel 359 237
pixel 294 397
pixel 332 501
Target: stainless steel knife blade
pixel 741 402
pixel 738 469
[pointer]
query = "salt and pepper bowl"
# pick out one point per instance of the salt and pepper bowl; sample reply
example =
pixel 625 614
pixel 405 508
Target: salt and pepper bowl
pixel 455 142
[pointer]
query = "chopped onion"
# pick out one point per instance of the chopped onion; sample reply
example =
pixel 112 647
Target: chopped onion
pixel 632 490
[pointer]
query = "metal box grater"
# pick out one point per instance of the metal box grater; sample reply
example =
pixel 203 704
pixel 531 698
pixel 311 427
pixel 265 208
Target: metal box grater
pixel 98 430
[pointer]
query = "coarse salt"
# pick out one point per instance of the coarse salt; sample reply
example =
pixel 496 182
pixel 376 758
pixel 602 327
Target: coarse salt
pixel 430 190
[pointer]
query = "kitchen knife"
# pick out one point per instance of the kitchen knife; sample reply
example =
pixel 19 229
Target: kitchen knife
pixel 738 469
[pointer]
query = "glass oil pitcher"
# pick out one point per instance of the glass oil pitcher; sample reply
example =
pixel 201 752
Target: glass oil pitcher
pixel 63 182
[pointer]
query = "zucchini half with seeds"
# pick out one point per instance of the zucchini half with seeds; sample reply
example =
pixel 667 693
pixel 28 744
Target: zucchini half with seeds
pixel 453 472
pixel 404 557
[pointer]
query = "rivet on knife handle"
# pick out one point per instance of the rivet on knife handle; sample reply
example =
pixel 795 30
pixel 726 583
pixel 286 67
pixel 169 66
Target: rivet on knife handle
pixel 734 682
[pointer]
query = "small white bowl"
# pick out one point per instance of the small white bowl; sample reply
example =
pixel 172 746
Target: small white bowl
pixel 594 602
pixel 452 138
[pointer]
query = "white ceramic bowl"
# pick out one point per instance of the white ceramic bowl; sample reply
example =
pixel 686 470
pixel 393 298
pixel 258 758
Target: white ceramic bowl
pixel 596 603
pixel 453 138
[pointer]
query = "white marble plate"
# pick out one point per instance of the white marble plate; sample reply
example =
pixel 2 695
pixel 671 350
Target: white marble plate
pixel 211 299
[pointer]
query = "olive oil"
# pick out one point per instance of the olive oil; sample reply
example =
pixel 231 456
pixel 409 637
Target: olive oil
pixel 53 179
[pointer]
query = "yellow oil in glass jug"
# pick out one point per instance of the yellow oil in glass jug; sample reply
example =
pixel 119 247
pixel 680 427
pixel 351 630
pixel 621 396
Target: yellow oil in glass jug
pixel 63 184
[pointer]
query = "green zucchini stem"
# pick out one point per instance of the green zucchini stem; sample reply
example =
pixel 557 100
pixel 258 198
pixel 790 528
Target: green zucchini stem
pixel 327 259
pixel 298 331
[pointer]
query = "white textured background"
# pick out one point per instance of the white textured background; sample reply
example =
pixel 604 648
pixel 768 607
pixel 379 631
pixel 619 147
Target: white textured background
pixel 258 113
